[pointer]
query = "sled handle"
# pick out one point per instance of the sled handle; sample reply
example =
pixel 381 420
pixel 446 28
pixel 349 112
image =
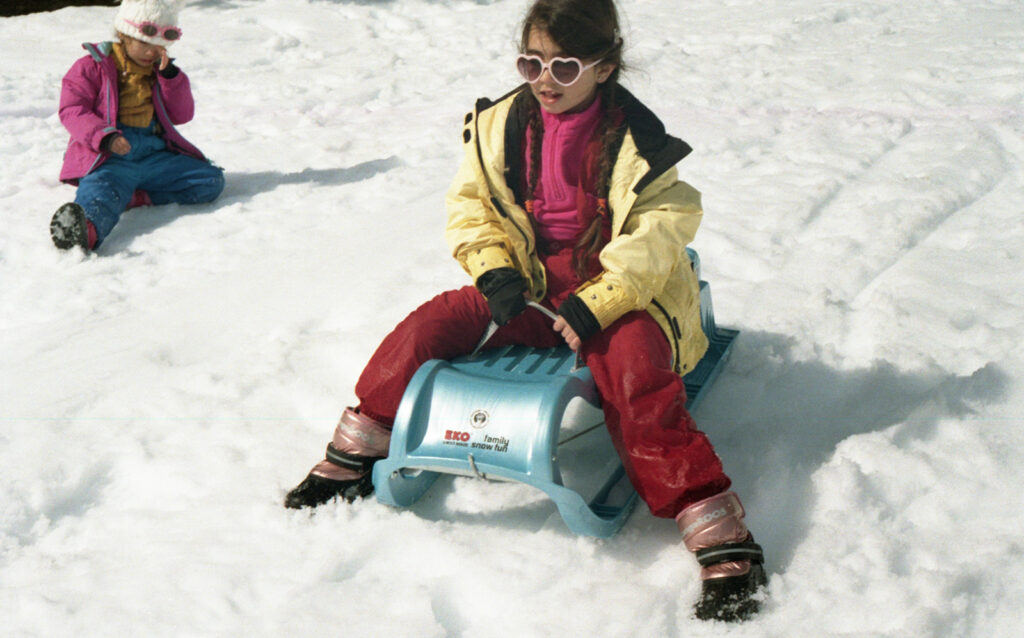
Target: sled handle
pixel 493 327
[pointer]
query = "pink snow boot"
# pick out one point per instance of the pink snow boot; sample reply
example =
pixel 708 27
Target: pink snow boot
pixel 731 562
pixel 358 443
pixel 139 198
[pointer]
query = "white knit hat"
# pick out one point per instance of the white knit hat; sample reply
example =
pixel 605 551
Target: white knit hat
pixel 152 21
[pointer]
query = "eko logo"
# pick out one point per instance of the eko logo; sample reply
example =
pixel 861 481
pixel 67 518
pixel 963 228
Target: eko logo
pixel 453 435
pixel 479 419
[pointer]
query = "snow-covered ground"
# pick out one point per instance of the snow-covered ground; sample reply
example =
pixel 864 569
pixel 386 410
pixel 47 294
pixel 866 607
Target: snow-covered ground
pixel 862 165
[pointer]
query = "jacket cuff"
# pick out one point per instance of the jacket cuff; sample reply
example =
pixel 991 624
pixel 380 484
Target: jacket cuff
pixel 579 317
pixel 494 280
pixel 105 137
pixel 479 261
pixel 606 301
pixel 170 72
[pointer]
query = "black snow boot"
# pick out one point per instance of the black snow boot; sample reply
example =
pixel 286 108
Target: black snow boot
pixel 69 228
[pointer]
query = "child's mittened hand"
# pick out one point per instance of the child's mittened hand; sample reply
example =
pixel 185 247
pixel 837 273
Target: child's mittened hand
pixel 120 145
pixel 503 288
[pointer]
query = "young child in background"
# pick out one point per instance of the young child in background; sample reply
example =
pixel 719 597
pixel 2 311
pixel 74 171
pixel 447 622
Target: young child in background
pixel 120 103
pixel 568 195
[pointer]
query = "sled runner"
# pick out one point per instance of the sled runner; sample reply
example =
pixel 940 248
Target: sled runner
pixel 507 413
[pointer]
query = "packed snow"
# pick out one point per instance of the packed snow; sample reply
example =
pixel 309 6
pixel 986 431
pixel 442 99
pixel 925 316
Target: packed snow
pixel 862 165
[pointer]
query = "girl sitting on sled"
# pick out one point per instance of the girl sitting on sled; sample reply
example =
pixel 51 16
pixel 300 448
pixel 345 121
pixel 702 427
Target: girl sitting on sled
pixel 568 196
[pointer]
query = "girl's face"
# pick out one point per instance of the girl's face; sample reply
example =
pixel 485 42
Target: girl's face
pixel 553 97
pixel 142 53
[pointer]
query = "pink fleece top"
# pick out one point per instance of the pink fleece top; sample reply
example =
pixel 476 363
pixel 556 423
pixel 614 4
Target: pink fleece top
pixel 565 139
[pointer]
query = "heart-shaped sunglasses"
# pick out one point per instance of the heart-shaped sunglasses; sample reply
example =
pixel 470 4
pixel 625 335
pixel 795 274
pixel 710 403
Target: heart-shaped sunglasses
pixel 565 71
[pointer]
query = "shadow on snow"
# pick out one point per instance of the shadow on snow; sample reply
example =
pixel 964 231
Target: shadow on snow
pixel 238 187
pixel 775 421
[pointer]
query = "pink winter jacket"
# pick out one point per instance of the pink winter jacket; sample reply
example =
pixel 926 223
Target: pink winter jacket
pixel 88 110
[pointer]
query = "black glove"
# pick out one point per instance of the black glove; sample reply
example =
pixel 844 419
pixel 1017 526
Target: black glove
pixel 579 317
pixel 170 71
pixel 503 288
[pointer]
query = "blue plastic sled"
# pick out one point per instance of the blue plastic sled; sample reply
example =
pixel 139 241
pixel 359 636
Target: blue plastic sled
pixel 500 414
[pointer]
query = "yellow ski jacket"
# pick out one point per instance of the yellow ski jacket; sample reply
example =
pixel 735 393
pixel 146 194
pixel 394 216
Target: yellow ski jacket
pixel 653 217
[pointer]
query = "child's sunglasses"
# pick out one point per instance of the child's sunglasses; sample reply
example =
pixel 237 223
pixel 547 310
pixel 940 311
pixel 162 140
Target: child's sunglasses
pixel 565 71
pixel 150 29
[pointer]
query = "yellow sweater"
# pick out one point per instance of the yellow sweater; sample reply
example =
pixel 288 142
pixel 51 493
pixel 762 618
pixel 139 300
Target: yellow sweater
pixel 135 90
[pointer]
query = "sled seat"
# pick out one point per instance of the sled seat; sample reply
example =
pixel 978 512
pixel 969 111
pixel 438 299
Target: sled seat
pixel 500 415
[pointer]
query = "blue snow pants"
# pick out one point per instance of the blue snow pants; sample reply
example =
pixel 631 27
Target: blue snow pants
pixel 165 176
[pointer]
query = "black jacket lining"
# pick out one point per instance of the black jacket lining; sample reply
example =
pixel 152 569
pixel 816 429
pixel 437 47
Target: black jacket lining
pixel 660 150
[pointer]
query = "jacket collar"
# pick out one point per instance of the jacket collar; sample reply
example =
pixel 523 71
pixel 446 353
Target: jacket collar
pixel 99 51
pixel 660 150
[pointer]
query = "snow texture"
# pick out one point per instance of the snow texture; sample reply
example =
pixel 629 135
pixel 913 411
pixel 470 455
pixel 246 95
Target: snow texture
pixel 862 165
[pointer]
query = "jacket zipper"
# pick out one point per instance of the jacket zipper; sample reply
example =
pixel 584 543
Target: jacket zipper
pixel 110 124
pixel 158 102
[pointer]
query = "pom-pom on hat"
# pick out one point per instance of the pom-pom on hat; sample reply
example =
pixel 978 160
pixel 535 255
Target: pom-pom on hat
pixel 152 21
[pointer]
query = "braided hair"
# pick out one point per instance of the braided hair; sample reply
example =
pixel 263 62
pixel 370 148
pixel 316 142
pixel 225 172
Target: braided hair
pixel 589 30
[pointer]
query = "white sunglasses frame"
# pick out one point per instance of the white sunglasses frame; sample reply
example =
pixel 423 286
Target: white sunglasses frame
pixel 546 66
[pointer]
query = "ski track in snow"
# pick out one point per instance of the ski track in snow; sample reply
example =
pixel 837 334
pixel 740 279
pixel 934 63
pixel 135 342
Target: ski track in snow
pixel 861 165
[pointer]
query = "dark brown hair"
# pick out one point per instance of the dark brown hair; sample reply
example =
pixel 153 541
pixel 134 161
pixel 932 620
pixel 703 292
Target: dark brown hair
pixel 589 30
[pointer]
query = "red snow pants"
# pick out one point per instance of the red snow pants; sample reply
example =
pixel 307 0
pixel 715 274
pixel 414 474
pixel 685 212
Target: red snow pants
pixel 668 460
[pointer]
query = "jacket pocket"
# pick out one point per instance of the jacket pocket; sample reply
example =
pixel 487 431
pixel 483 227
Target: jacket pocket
pixel 679 307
